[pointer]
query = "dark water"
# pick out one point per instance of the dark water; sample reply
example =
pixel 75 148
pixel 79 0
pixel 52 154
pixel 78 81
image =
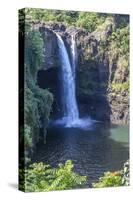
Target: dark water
pixel 103 148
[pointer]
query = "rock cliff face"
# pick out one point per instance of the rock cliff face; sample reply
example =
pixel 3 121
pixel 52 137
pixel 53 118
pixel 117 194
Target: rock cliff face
pixel 102 79
pixel 102 75
pixel 50 51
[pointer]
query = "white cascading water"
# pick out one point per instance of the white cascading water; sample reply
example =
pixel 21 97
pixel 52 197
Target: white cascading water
pixel 74 55
pixel 69 104
pixel 68 91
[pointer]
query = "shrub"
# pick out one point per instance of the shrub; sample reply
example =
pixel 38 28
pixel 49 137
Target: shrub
pixel 41 177
pixel 90 21
pixel 118 178
pixel 109 179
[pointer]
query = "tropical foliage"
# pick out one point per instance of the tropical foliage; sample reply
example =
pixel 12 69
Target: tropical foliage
pixel 37 102
pixel 70 18
pixel 109 179
pixel 118 178
pixel 121 39
pixel 41 177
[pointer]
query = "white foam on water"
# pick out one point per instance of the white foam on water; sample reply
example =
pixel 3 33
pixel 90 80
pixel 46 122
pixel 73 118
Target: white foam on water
pixel 85 123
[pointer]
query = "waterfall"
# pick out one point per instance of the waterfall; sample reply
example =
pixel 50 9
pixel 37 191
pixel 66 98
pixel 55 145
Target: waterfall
pixel 74 55
pixel 68 91
pixel 69 104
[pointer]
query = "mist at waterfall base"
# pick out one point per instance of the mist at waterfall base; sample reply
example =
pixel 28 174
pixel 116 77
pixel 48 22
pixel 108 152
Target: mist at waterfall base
pixel 69 106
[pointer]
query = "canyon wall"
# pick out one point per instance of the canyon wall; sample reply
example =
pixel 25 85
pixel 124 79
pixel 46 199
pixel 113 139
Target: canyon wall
pixel 102 73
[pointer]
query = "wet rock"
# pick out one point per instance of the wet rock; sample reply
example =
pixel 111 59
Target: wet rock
pixel 50 43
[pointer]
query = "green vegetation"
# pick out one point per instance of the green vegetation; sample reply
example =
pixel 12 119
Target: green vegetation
pixel 116 43
pixel 37 102
pixel 69 18
pixel 120 86
pixel 109 179
pixel 33 52
pixel 86 20
pixel 118 178
pixel 120 37
pixel 115 47
pixel 41 177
